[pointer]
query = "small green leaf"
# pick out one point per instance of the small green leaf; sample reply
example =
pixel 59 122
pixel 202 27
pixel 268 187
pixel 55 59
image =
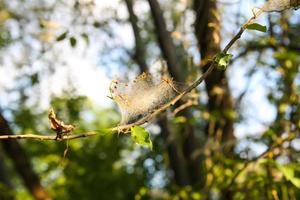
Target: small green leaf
pixel 97 24
pixel 180 119
pixel 86 38
pixel 141 136
pixel 34 78
pixel 62 36
pixel 289 173
pixel 223 59
pixel 257 27
pixel 73 42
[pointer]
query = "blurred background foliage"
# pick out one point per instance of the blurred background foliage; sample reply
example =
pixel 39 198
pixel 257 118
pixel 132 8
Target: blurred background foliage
pixel 210 150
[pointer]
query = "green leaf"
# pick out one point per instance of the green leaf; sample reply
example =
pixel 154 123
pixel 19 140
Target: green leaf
pixel 97 24
pixel 180 119
pixel 289 173
pixel 34 78
pixel 86 38
pixel 62 36
pixel 73 42
pixel 257 27
pixel 223 59
pixel 141 136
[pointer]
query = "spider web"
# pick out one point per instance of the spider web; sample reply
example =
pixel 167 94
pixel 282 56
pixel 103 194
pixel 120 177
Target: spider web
pixel 143 95
pixel 279 5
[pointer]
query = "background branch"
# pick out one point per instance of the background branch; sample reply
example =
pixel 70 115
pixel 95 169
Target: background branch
pixel 278 143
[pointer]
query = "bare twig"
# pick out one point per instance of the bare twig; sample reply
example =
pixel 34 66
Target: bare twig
pixel 182 107
pixel 278 143
pixel 48 137
pixel 252 71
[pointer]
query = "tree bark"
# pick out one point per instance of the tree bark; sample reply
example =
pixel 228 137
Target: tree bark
pixel 177 163
pixel 22 163
pixel 220 104
pixel 140 50
pixel 194 163
pixel 207 31
pixel 165 41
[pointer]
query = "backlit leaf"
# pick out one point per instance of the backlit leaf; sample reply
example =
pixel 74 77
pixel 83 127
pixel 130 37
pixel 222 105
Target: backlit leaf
pixel 289 173
pixel 222 60
pixel 257 27
pixel 141 136
pixel 73 42
pixel 62 36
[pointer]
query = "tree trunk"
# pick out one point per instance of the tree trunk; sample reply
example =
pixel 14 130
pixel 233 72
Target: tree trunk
pixel 177 163
pixel 195 163
pixel 22 163
pixel 140 50
pixel 165 42
pixel 207 30
pixel 220 105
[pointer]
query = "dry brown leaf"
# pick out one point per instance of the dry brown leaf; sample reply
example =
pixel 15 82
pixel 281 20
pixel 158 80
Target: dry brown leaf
pixel 58 126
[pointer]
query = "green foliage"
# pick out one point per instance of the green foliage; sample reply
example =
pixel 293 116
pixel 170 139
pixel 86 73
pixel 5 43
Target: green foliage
pixel 85 36
pixel 141 136
pixel 34 78
pixel 69 107
pixel 223 60
pixel 5 37
pixel 73 41
pixel 257 27
pixel 62 36
pixel 98 162
pixel 5 192
pixel 291 172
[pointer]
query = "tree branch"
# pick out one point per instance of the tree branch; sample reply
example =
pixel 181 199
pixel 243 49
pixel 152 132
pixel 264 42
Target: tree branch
pixel 278 143
pixel 261 47
pixel 140 50
pixel 151 115
pixel 47 137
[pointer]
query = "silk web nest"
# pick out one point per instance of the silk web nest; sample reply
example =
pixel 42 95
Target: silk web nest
pixel 280 5
pixel 143 95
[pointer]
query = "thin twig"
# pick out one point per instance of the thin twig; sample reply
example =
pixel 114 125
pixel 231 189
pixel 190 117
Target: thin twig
pixel 184 106
pixel 252 71
pixel 280 141
pixel 47 137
